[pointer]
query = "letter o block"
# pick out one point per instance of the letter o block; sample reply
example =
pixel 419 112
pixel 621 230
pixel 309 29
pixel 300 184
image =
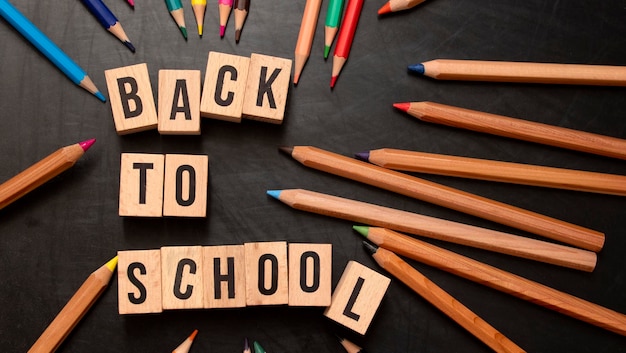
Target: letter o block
pixel 267 281
pixel 310 274
pixel 186 185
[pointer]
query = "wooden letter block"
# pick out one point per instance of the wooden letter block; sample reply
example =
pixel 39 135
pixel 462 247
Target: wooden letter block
pixel 139 282
pixel 310 274
pixel 224 276
pixel 179 102
pixel 267 281
pixel 186 185
pixel 132 102
pixel 224 87
pixel 266 88
pixel 357 297
pixel 141 185
pixel 181 277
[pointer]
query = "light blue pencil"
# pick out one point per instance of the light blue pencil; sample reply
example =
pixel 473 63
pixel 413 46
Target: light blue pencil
pixel 48 48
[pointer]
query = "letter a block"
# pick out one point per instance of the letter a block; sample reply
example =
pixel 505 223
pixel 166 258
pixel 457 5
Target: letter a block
pixel 141 185
pixel 224 276
pixel 224 87
pixel 179 102
pixel 139 281
pixel 132 102
pixel 181 277
pixel 266 88
pixel 266 273
pixel 310 274
pixel 357 297
pixel 186 185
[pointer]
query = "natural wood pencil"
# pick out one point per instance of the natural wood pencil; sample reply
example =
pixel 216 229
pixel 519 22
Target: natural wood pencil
pixel 498 279
pixel 398 5
pixel 443 301
pixel 350 347
pixel 516 128
pixel 436 228
pixel 483 169
pixel 42 171
pixel 447 197
pixel 186 345
pixel 305 36
pixel 525 72
pixel 75 309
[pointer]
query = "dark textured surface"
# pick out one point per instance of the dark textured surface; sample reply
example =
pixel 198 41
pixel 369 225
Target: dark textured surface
pixel 54 237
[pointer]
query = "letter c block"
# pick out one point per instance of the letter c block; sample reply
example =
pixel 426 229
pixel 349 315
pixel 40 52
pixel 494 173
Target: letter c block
pixel 139 281
pixel 182 277
pixel 224 87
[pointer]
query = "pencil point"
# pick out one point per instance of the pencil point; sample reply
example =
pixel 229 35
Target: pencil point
pixel 237 35
pixel 402 106
pixel 246 346
pixel 332 81
pixel 130 46
pixel 326 51
pixel 86 144
pixel 385 9
pixel 222 31
pixel 371 248
pixel 112 264
pixel 286 150
pixel 100 96
pixel 363 230
pixel 193 335
pixel 364 156
pixel 258 348
pixel 200 30
pixel 417 68
pixel 274 193
pixel 183 30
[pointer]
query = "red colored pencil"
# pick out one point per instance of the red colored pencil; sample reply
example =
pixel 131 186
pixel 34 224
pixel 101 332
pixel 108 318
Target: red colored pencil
pixel 346 35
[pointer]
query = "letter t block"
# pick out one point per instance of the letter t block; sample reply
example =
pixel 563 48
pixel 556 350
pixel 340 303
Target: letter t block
pixel 141 185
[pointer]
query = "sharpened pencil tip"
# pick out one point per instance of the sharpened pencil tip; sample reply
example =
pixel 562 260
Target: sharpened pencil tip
pixel 112 264
pixel 183 30
pixel 402 106
pixel 100 96
pixel 333 80
pixel 417 69
pixel 371 248
pixel 130 46
pixel 246 346
pixel 258 348
pixel 286 150
pixel 237 35
pixel 363 230
pixel 364 156
pixel 385 9
pixel 222 31
pixel 200 29
pixel 193 335
pixel 274 193
pixel 326 51
pixel 86 144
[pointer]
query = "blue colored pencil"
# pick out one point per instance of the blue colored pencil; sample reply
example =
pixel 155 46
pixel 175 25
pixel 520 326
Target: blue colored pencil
pixel 48 48
pixel 108 20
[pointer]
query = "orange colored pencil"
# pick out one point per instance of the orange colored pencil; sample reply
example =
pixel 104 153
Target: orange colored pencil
pixel 186 345
pixel 305 36
pixel 398 5
pixel 42 171
pixel 345 37
pixel 75 309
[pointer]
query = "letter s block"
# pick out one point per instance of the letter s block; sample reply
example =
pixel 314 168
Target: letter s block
pixel 139 281
pixel 186 185
pixel 310 274
pixel 141 184
pixel 266 88
pixel 132 102
pixel 181 277
pixel 224 87
pixel 357 297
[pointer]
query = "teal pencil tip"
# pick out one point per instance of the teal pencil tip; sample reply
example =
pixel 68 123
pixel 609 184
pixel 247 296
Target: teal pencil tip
pixel 258 348
pixel 274 193
pixel 100 96
pixel 183 30
pixel 363 230
pixel 326 51
pixel 417 68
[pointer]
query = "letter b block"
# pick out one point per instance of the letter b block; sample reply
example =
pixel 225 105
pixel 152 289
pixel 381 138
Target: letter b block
pixel 266 88
pixel 224 87
pixel 141 185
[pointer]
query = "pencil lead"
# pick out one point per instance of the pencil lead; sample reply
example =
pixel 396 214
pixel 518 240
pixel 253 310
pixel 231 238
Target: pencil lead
pixel 274 193
pixel 100 96
pixel 332 81
pixel 131 3
pixel 193 335
pixel 183 30
pixel 371 248
pixel 286 150
pixel 200 29
pixel 326 51
pixel 402 106
pixel 364 156
pixel 222 31
pixel 86 144
pixel 237 35
pixel 385 9
pixel 258 348
pixel 363 230
pixel 417 69
pixel 112 264
pixel 130 46
pixel 246 346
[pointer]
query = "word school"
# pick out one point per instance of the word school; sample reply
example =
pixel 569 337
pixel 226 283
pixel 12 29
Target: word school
pixel 235 276
pixel 234 87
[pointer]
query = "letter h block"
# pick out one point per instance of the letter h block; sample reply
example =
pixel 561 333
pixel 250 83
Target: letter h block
pixel 224 276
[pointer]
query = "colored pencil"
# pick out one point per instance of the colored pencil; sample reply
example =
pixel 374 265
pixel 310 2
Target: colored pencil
pixel 436 228
pixel 175 7
pixel 108 20
pixel 516 128
pixel 241 9
pixel 199 8
pixel 443 301
pixel 522 72
pixel 224 8
pixel 186 345
pixel 516 173
pixel 445 196
pixel 131 3
pixel 350 347
pixel 305 36
pixel 258 348
pixel 498 279
pixel 75 309
pixel 246 346
pixel 398 5
pixel 48 48
pixel 42 171
pixel 333 18
pixel 345 37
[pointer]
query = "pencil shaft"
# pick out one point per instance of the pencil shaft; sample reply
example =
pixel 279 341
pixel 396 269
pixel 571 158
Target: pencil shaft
pixel 39 173
pixel 501 280
pixel 438 229
pixel 399 5
pixel 199 8
pixel 445 302
pixel 448 197
pixel 333 18
pixel 519 129
pixel 241 8
pixel 499 171
pixel 305 36
pixel 525 72
pixel 345 37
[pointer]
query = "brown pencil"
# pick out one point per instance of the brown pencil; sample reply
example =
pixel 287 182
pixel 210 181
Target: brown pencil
pixel 516 128
pixel 42 171
pixel 75 309
pixel 524 72
pixel 473 168
pixel 447 197
pixel 497 279
pixel 443 301
pixel 436 228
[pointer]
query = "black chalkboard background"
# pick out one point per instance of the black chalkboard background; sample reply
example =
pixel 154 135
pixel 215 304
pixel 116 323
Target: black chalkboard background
pixel 54 237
